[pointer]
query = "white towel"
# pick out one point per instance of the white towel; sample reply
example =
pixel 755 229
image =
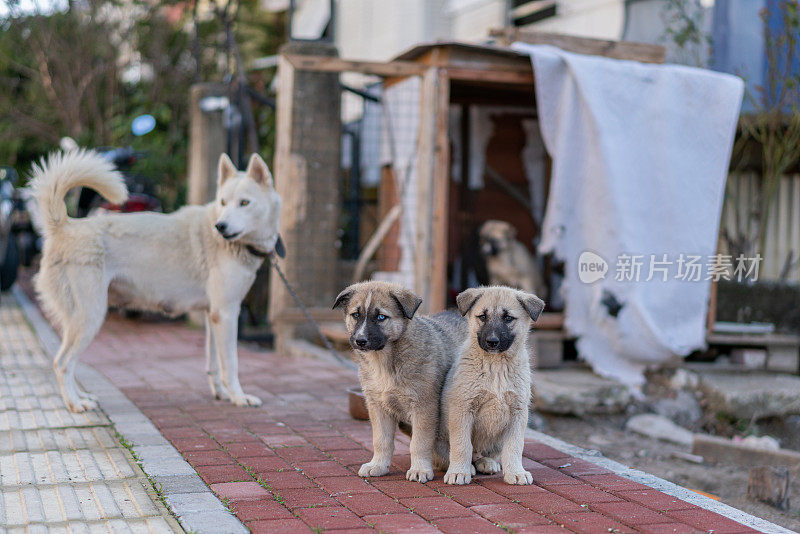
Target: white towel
pixel 640 156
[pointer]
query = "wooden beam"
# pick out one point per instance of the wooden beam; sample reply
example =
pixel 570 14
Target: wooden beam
pixel 335 64
pixel 519 77
pixel 646 53
pixel 441 195
pixel 433 163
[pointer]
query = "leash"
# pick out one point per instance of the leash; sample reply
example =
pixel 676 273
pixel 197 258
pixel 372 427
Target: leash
pixel 327 342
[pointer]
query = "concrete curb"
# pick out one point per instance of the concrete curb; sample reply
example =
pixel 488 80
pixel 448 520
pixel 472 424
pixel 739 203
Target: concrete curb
pixel 187 496
pixel 660 484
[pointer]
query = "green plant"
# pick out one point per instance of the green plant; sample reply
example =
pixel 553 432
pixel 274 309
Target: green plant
pixel 773 126
pixel 683 26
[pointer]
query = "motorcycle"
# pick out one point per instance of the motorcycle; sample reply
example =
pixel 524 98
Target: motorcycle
pixel 141 193
pixel 19 240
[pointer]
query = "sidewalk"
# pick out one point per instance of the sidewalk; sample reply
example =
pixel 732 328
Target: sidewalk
pixel 290 465
pixel 61 471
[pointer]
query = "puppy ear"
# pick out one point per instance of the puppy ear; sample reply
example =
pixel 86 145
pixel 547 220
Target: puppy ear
pixel 225 169
pixel 511 231
pixel 407 301
pixel 280 248
pixel 532 304
pixel 259 172
pixel 467 299
pixel 344 297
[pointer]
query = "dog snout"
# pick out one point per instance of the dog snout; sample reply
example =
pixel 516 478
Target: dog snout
pixel 221 227
pixel 361 342
pixel 495 337
pixel 492 340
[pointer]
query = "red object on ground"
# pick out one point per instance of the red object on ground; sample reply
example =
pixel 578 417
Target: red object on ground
pixel 291 465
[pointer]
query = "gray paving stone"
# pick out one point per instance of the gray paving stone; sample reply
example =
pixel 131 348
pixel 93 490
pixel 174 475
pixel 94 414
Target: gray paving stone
pixel 212 523
pixel 180 484
pixel 59 471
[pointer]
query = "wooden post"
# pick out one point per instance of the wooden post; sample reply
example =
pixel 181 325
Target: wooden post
pixel 770 485
pixel 207 139
pixel 307 176
pixel 433 166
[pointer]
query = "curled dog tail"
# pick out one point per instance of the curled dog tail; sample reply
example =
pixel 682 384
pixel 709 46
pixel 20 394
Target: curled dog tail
pixel 62 171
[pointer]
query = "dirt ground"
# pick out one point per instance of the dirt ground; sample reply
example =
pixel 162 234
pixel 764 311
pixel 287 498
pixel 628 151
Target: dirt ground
pixel 729 482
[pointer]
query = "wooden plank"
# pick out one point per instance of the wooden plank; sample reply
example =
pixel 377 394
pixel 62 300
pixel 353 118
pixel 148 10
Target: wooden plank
pixel 441 183
pixel 714 449
pixel 519 77
pixel 754 340
pixel 335 64
pixel 769 484
pixel 646 53
pixel 426 163
pixel 711 314
pixel 282 167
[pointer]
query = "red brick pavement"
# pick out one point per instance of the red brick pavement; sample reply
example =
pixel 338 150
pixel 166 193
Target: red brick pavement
pixel 290 465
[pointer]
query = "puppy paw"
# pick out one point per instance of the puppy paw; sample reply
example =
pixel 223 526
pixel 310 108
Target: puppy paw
pixel 487 466
pixel 373 470
pixel 472 470
pixel 520 478
pixel 246 400
pixel 79 405
pixel 419 475
pixel 457 477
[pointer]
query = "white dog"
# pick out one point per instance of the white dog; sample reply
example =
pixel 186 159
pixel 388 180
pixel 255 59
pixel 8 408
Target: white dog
pixel 198 258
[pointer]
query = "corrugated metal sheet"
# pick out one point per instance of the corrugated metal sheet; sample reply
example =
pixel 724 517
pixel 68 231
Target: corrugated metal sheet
pixel 783 228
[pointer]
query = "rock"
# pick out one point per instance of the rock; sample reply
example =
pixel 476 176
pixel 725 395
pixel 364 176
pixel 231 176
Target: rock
pixel 659 427
pixel 766 443
pixel 578 392
pixel 751 395
pixel 599 440
pixel 683 409
pixel 683 379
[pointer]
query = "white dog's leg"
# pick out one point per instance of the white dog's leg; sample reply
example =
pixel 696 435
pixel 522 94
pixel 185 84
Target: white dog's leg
pixel 225 336
pixel 90 300
pixel 212 364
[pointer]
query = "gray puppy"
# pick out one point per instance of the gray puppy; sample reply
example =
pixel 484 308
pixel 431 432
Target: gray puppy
pixel 487 393
pixel 402 364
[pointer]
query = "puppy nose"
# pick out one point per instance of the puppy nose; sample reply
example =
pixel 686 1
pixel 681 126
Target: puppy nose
pixel 361 342
pixel 221 227
pixel 492 340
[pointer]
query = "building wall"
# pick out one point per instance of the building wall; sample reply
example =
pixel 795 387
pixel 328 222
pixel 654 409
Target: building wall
pixel 379 30
pixel 601 19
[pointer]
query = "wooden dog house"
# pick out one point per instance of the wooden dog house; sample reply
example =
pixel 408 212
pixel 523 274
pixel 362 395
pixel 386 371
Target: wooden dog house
pixel 453 76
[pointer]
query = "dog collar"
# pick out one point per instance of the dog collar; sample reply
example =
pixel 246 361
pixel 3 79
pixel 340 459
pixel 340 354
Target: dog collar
pixel 255 252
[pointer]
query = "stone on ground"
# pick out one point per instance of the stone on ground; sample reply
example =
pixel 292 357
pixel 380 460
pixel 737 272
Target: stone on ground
pixel 659 427
pixel 578 392
pixel 745 396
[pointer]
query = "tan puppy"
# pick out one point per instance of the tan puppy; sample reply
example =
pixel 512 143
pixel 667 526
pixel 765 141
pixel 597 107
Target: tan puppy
pixel 487 394
pixel 508 261
pixel 402 364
